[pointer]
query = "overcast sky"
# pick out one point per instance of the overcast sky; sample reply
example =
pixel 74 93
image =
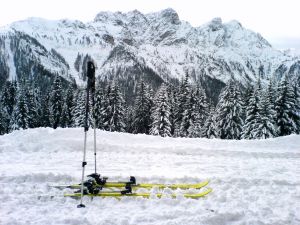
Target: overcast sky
pixel 277 20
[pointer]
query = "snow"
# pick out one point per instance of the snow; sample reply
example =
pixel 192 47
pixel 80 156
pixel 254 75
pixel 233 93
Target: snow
pixel 254 182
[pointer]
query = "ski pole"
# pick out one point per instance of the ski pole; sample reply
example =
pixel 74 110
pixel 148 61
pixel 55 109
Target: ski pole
pixel 90 86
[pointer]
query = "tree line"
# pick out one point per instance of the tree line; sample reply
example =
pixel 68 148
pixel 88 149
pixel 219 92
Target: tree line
pixel 251 112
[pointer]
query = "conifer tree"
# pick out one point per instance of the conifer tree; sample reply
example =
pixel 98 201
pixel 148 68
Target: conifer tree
pixel 202 106
pixel 189 117
pixel 116 115
pixel 99 101
pixel 56 102
pixel 3 124
pixel 32 100
pixel 285 109
pixel 296 114
pixel 228 118
pixel 129 118
pixel 8 102
pixel 105 111
pixel 172 96
pixel 79 110
pixel 112 110
pixel 142 110
pixel 68 107
pixel 20 116
pixel 161 114
pixel 266 126
pixel 209 130
pixel 181 105
pixel 252 114
pixel 45 119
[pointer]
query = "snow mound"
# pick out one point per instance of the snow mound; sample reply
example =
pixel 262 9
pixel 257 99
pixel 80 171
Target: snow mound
pixel 254 182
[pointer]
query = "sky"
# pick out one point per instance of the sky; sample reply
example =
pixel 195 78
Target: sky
pixel 276 20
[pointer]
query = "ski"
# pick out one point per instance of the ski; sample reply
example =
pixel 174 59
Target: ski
pixel 121 185
pixel 144 195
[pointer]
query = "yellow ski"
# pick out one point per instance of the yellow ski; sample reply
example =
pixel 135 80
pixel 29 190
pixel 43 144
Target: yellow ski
pixel 144 195
pixel 121 185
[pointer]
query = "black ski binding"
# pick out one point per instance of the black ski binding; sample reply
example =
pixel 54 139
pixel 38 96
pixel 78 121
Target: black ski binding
pixel 98 179
pixel 128 189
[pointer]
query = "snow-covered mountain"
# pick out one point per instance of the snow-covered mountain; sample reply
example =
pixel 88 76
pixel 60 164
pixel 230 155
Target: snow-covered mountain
pixel 156 46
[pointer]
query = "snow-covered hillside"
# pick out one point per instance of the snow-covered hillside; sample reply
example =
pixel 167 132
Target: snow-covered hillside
pixel 254 182
pixel 130 45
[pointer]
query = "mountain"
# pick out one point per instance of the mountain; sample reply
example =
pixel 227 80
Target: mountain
pixel 129 46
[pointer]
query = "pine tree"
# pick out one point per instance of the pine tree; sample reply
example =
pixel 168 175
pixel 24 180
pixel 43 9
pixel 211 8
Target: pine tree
pixel 20 116
pixel 112 110
pixel 80 109
pixel 68 107
pixel 266 127
pixel 201 112
pixel 208 130
pixel 285 109
pixel 172 96
pixel 56 102
pixel 142 110
pixel 105 110
pixel 8 102
pixel 228 118
pixel 33 102
pixel 189 117
pixel 129 118
pixel 116 116
pixel 99 102
pixel 181 105
pixel 161 114
pixel 45 119
pixel 252 114
pixel 64 116
pixel 296 114
pixel 3 125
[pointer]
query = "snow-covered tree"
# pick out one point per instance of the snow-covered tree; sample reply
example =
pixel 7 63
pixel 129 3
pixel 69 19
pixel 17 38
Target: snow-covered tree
pixel 252 116
pixel 68 107
pixel 113 110
pixel 3 124
pixel 33 104
pixel 79 111
pixel 296 110
pixel 285 109
pixel 99 101
pixel 20 112
pixel 228 117
pixel 208 130
pixel 266 127
pixel 189 117
pixel 56 102
pixel 7 102
pixel 181 104
pixel 172 95
pixel 129 118
pixel 45 119
pixel 142 110
pixel 161 114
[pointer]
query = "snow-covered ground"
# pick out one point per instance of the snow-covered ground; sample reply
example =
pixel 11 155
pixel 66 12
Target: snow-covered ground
pixel 254 182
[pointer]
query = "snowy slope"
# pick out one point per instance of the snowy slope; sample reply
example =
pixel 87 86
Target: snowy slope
pixel 162 42
pixel 254 182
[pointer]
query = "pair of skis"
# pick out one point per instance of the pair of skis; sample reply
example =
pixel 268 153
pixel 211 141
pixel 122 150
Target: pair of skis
pixel 128 187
